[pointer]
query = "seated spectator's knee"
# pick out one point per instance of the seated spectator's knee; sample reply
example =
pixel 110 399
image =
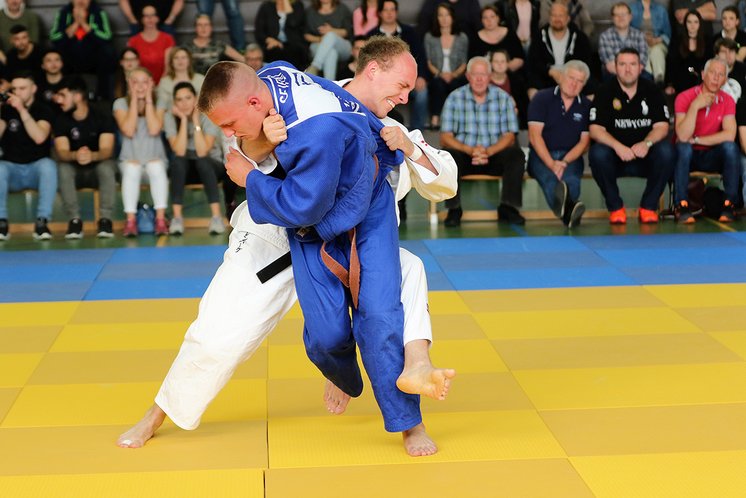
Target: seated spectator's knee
pixel 684 151
pixel 601 156
pixel 663 152
pixel 329 36
pixel 729 148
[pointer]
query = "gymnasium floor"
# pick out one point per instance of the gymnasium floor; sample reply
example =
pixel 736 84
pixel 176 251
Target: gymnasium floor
pixel 589 364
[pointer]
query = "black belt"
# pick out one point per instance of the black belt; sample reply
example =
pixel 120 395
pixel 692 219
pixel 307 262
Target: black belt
pixel 274 268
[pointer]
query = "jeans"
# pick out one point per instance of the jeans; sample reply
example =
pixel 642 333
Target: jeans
pixel 656 167
pixel 722 158
pixel 232 15
pixel 548 180
pixel 40 175
pixel 329 52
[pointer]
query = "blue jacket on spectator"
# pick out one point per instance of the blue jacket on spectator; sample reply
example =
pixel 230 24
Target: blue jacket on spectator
pixel 659 17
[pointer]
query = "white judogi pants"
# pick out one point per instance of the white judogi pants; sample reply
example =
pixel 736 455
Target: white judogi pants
pixel 237 312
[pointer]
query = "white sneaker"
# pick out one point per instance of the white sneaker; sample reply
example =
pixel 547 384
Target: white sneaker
pixel 176 227
pixel 216 225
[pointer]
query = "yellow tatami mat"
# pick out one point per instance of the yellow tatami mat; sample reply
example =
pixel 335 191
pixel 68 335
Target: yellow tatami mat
pixel 606 392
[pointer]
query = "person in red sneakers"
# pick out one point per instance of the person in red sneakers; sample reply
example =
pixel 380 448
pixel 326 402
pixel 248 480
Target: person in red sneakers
pixel 629 125
pixel 705 134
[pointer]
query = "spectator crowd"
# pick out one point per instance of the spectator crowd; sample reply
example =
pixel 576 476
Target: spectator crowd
pixel 76 112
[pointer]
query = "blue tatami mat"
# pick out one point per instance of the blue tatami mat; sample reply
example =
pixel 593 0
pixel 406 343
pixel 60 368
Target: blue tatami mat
pixel 540 278
pixel 451 264
pixel 44 292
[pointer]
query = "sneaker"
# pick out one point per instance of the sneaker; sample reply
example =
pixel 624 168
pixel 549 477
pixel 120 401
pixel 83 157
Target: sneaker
pixel 216 225
pixel 684 214
pixel 454 217
pixel 74 229
pixel 509 214
pixel 130 228
pixel 312 70
pixel 41 230
pixel 618 217
pixel 161 226
pixel 4 235
pixel 647 216
pixel 728 214
pixel 560 199
pixel 176 227
pixel 105 229
pixel 573 215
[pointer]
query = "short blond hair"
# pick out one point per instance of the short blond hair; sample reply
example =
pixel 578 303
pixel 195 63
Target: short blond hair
pixel 383 50
pixel 217 83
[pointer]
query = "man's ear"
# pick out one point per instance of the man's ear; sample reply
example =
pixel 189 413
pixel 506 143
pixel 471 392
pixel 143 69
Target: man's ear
pixel 372 69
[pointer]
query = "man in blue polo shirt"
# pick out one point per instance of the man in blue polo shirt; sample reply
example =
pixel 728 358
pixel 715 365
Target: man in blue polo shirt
pixel 558 136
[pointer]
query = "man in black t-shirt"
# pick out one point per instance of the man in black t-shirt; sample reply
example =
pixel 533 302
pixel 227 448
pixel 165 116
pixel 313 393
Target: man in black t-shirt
pixel 52 73
pixel 26 164
pixel 84 142
pixel 629 124
pixel 25 56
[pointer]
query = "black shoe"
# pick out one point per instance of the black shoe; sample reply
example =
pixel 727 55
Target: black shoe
pixel 41 230
pixel 402 210
pixel 728 214
pixel 684 214
pixel 573 214
pixel 561 194
pixel 4 235
pixel 454 217
pixel 105 229
pixel 509 214
pixel 74 229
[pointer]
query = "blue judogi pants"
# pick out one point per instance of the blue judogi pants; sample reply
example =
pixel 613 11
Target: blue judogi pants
pixel 377 323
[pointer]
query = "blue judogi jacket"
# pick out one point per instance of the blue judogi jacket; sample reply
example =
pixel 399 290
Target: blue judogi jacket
pixel 327 127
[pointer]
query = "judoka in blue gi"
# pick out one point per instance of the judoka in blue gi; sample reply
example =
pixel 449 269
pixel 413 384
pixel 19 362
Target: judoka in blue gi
pixel 334 199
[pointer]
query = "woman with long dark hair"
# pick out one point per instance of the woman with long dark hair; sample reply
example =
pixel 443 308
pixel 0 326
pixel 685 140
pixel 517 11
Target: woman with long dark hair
pixel 447 51
pixel 279 28
pixel 687 57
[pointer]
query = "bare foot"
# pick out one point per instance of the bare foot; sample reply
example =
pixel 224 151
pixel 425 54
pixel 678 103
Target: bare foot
pixel 425 379
pixel 335 399
pixel 418 443
pixel 138 434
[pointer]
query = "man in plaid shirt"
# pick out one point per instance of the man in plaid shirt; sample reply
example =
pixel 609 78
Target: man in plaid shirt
pixel 620 36
pixel 478 127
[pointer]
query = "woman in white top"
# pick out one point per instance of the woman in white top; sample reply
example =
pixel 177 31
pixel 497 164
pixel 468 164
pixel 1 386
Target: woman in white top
pixel 178 68
pixel 142 153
